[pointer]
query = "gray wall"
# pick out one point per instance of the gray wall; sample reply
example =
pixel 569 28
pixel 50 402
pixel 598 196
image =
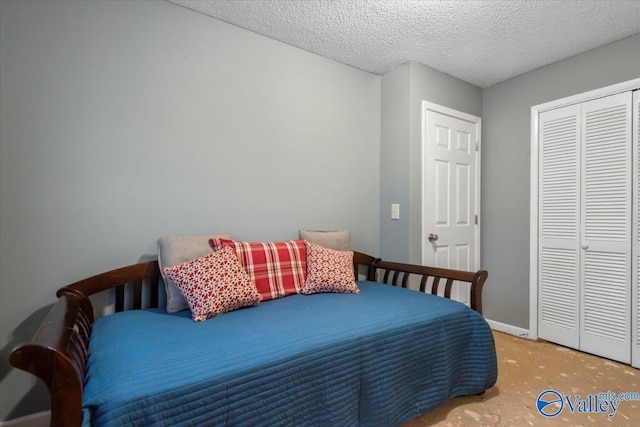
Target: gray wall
pixel 403 91
pixel 506 165
pixel 395 143
pixel 126 121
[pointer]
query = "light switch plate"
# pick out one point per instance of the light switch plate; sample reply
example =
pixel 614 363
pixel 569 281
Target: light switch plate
pixel 395 211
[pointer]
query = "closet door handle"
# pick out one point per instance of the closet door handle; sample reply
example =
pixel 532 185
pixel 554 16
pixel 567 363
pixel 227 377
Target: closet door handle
pixel 585 246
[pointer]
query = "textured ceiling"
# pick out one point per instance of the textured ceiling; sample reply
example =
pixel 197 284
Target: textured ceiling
pixel 481 42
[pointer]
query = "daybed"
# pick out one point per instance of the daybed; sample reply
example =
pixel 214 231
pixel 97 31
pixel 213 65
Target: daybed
pixel 376 358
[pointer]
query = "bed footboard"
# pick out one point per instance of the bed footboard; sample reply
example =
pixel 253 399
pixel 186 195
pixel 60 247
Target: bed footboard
pixel 398 274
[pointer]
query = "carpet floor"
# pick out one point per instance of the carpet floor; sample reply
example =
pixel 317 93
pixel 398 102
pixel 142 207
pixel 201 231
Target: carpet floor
pixel 526 368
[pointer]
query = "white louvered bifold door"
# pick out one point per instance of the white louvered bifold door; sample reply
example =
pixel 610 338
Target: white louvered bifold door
pixel 559 202
pixel 635 234
pixel 605 320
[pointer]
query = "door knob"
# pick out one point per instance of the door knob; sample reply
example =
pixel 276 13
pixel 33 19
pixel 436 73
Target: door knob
pixel 433 237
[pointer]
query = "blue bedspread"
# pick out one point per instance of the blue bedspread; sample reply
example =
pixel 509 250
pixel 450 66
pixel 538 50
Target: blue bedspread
pixel 377 358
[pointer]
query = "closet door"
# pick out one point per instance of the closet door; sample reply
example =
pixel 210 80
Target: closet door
pixel 558 211
pixel 605 297
pixel 635 233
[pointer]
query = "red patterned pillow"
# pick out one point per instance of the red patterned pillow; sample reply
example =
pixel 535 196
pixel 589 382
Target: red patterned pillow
pixel 329 270
pixel 278 269
pixel 214 284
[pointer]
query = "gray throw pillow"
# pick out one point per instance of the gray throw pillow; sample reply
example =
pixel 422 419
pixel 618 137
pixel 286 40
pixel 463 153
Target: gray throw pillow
pixel 338 240
pixel 174 250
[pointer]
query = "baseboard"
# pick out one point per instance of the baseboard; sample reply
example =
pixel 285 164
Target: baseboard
pixel 508 329
pixel 41 419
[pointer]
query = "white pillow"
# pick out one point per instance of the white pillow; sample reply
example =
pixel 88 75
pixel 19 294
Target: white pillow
pixel 174 250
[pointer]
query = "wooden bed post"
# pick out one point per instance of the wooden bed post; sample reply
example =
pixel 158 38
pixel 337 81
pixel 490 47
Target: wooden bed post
pixel 476 290
pixel 367 260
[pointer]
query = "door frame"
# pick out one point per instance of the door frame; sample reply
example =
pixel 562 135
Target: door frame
pixel 430 106
pixel 534 177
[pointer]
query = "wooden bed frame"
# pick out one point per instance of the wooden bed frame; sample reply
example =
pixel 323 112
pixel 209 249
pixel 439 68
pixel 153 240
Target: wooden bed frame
pixel 58 352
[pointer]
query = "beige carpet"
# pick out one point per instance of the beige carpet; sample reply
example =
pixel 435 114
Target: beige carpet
pixel 527 368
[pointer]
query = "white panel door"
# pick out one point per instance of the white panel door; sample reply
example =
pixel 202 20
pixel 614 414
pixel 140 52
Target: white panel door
pixel 558 213
pixel 606 227
pixel 635 233
pixel 450 199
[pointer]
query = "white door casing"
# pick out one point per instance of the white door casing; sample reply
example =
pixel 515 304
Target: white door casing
pixel 451 189
pixel 534 222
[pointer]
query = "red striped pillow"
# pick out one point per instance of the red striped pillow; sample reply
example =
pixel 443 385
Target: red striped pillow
pixel 278 268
